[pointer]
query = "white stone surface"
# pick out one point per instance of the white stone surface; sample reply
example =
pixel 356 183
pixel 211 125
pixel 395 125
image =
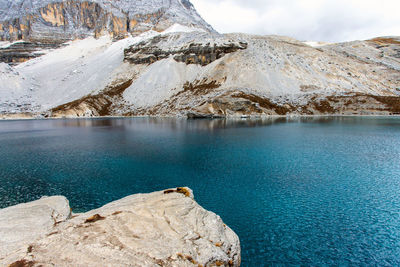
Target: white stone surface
pixel 25 223
pixel 155 229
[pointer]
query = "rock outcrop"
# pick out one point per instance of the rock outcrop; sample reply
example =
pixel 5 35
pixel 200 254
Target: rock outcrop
pixel 22 51
pixel 166 228
pixel 148 52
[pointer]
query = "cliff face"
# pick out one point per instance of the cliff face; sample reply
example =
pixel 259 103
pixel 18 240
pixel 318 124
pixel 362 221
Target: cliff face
pixel 58 21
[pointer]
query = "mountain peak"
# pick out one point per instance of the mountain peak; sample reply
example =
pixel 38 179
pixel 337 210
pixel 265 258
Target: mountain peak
pixel 56 21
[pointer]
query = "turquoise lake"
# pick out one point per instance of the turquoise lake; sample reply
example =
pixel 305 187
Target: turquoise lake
pixel 306 191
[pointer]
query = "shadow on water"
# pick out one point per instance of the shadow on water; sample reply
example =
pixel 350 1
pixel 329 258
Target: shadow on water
pixel 184 124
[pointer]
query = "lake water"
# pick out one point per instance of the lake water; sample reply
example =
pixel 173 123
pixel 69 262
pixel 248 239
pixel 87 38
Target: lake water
pixel 322 191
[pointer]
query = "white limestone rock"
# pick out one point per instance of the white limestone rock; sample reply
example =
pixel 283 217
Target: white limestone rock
pixel 28 222
pixel 166 228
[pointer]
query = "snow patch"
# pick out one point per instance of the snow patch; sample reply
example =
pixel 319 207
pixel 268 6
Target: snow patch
pixel 181 28
pixel 6 44
pixel 316 44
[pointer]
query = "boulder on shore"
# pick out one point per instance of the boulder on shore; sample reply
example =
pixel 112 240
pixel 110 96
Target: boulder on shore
pixel 166 228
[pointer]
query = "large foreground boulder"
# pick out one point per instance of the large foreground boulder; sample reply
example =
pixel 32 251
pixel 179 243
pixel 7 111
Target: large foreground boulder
pixel 166 228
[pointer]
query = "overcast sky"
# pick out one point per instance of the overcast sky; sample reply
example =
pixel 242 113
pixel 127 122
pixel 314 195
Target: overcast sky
pixel 311 20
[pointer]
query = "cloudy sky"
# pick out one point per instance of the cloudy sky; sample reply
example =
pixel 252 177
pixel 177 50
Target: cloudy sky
pixel 311 20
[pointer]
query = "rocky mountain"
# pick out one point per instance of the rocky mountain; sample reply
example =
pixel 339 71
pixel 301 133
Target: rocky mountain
pixel 53 22
pixel 187 69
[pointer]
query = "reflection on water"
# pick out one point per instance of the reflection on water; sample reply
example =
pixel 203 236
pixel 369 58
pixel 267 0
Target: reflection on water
pixel 171 123
pixel 298 191
pixel 184 124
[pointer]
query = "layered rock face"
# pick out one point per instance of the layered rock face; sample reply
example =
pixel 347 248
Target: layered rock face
pixel 148 52
pixel 166 228
pixel 22 51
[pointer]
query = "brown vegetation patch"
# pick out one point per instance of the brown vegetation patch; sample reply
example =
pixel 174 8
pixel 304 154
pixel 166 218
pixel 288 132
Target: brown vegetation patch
pixel 354 103
pixel 53 233
pixel 181 190
pixel 332 99
pixel 100 103
pixel 116 213
pixel 188 258
pixel 200 87
pixel 385 40
pixel 168 106
pixel 309 88
pixel 94 218
pixel 22 263
pixel 29 249
pixel 357 103
pixel 96 102
pixel 324 106
pixel 264 103
pixel 118 89
pixel 392 102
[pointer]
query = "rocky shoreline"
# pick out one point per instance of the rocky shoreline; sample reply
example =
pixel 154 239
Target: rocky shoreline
pixel 165 228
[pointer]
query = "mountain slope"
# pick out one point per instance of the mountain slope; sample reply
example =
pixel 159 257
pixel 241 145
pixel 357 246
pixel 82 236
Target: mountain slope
pixel 195 73
pixel 189 70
